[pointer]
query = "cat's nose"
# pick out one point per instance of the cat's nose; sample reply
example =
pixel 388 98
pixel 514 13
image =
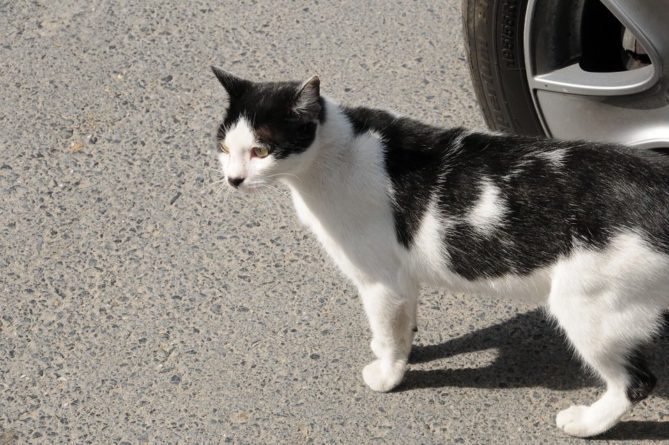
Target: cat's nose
pixel 235 181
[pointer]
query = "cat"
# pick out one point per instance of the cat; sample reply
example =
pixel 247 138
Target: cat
pixel 580 227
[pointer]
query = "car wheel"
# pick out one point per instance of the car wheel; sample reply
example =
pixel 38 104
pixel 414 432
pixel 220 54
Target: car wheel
pixel 572 69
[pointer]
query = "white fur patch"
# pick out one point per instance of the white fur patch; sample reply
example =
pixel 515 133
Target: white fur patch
pixel 555 157
pixel 489 211
pixel 239 139
pixel 457 142
pixel 608 302
pixel 345 186
pixel 376 134
pixel 240 136
pixel 517 169
pixel 429 258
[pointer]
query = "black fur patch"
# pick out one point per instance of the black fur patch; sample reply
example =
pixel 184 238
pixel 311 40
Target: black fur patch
pixel 642 381
pixel 534 231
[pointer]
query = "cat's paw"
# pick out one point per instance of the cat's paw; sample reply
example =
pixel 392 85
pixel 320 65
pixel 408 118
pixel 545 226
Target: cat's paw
pixel 382 376
pixel 582 421
pixel 570 420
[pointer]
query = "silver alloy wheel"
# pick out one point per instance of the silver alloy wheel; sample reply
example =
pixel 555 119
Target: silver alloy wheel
pixel 628 106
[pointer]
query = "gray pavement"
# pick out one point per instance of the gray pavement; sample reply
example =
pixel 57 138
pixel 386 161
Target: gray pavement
pixel 141 304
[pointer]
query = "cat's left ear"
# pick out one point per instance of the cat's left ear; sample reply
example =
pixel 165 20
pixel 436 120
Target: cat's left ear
pixel 308 99
pixel 234 85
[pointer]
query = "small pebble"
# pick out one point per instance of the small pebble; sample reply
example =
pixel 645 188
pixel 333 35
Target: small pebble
pixel 76 146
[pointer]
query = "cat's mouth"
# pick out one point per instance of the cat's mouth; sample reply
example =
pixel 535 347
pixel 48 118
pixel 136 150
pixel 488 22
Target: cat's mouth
pixel 248 186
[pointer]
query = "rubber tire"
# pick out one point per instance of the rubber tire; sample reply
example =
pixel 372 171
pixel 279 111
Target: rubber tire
pixel 493 32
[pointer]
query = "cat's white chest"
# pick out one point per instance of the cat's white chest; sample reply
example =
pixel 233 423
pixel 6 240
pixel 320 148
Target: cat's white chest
pixel 313 222
pixel 359 238
pixel 332 245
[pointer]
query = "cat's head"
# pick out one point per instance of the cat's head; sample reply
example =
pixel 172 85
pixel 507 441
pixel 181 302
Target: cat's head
pixel 268 128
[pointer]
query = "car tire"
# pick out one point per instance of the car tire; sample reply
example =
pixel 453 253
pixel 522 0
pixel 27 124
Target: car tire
pixel 493 32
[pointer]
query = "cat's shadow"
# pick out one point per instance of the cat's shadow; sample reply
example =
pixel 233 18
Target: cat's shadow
pixel 531 352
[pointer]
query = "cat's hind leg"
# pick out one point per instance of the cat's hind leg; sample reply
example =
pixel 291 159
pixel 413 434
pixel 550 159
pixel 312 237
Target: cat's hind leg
pixel 391 317
pixel 607 333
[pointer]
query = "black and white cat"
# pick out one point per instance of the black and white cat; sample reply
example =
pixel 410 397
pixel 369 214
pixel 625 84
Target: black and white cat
pixel 580 227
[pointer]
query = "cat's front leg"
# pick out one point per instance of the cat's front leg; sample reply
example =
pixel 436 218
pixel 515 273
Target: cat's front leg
pixel 391 319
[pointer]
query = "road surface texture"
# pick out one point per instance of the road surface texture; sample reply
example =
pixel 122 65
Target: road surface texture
pixel 140 303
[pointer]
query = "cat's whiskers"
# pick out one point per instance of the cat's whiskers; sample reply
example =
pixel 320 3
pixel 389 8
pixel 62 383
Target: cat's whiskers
pixel 284 174
pixel 227 191
pixel 279 189
pixel 221 189
pixel 218 171
pixel 207 187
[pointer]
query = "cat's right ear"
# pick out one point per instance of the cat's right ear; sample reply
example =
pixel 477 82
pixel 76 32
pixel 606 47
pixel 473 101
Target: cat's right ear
pixel 234 85
pixel 308 102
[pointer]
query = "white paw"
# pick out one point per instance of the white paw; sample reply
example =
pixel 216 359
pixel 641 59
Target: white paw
pixel 571 420
pixel 583 421
pixel 382 376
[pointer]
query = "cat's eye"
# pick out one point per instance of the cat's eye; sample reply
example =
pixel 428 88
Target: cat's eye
pixel 223 148
pixel 260 152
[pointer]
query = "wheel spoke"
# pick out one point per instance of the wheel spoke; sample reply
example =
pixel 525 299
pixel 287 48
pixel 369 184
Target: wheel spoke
pixel 574 80
pixel 629 119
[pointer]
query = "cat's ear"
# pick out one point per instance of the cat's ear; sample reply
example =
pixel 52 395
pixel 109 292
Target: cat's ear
pixel 308 99
pixel 234 85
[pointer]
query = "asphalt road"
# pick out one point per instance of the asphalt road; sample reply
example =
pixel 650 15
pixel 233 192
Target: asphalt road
pixel 139 303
